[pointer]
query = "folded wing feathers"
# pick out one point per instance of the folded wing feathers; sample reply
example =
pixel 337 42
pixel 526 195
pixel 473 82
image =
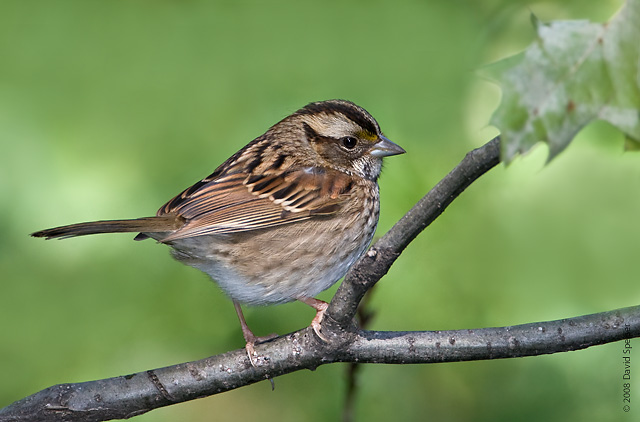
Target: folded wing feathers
pixel 241 202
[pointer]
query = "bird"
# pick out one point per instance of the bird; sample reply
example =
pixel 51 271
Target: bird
pixel 282 219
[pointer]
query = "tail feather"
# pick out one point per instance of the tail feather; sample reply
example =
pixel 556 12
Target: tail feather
pixel 162 223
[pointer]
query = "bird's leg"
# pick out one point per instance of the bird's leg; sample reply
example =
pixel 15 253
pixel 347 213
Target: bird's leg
pixel 321 307
pixel 248 335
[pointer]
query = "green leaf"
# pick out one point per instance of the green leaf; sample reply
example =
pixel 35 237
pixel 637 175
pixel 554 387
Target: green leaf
pixel 575 72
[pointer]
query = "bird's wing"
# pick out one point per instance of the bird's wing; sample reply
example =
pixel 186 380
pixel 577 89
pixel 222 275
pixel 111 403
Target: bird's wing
pixel 240 201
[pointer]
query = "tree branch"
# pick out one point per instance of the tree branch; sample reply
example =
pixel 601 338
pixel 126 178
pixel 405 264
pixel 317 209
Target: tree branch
pixel 127 396
pixel 532 339
pixel 377 261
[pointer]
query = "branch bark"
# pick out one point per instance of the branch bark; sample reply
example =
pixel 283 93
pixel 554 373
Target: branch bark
pixel 126 396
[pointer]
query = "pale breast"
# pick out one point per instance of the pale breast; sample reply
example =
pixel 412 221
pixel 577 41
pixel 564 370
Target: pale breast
pixel 283 263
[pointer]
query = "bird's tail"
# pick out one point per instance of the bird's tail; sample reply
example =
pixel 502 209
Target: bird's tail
pixel 159 224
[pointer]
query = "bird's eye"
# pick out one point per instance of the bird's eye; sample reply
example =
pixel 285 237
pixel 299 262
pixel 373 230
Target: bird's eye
pixel 349 142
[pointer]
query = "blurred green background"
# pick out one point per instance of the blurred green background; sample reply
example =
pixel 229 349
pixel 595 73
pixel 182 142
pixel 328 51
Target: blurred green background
pixel 109 108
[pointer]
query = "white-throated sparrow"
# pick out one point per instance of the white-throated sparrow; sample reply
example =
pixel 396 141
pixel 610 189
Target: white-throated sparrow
pixel 284 218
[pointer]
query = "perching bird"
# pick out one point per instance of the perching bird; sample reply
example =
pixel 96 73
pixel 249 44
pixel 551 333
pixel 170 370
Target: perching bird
pixel 284 218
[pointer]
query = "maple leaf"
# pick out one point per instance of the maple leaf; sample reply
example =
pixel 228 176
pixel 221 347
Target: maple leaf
pixel 575 72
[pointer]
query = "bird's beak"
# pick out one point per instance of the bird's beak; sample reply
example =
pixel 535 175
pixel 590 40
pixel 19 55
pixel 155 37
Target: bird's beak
pixel 385 148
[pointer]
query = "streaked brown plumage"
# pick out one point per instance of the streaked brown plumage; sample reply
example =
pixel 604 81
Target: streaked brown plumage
pixel 282 219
